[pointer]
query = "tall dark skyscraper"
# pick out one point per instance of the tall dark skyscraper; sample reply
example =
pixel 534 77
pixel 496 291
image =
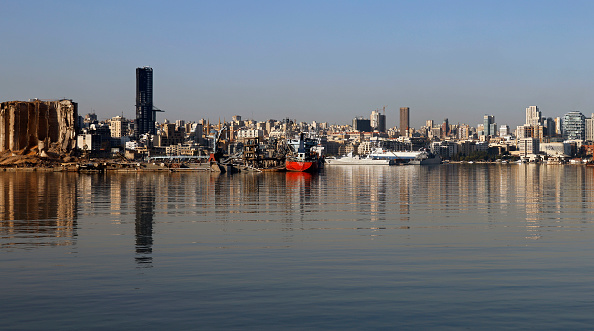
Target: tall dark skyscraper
pixel 145 114
pixel 404 121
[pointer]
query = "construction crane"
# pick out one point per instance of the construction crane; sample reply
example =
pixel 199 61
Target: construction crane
pixel 216 151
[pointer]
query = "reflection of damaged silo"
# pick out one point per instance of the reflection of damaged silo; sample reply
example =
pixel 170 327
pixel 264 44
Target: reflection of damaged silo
pixel 23 125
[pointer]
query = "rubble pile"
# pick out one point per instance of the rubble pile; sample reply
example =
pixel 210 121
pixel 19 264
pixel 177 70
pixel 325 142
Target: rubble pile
pixel 31 158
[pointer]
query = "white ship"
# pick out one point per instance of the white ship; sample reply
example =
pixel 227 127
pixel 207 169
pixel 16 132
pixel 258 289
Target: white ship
pixel 407 157
pixel 351 159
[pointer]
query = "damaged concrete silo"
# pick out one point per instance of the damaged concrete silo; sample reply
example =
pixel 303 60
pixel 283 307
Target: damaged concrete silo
pixel 48 125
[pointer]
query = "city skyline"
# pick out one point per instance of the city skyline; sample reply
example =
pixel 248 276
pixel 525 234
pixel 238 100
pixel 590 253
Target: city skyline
pixel 323 61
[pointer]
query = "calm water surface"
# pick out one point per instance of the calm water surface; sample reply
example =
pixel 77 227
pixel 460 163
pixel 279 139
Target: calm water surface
pixel 402 247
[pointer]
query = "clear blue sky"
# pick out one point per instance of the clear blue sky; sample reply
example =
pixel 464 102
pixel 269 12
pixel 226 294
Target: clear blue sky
pixel 308 60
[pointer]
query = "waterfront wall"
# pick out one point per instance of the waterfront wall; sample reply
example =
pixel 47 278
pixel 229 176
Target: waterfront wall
pixel 44 124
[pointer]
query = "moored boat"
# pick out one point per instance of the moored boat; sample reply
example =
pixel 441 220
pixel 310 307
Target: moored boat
pixel 304 159
pixel 425 158
pixel 301 166
pixel 351 159
pixel 421 157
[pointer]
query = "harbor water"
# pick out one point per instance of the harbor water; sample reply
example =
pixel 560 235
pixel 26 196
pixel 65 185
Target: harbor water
pixel 353 247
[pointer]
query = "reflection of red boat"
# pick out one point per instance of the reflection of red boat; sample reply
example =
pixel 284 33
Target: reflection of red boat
pixel 304 160
pixel 297 177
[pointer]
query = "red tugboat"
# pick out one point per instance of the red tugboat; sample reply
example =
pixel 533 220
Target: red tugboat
pixel 304 160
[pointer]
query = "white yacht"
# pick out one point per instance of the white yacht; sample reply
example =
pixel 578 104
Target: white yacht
pixel 351 159
pixel 408 157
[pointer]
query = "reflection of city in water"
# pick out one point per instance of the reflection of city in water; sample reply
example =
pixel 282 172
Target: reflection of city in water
pixel 42 208
pixel 548 191
pixel 38 209
pixel 398 197
pixel 497 193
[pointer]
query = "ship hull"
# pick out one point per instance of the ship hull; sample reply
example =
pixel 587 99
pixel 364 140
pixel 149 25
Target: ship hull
pixel 427 161
pixel 302 166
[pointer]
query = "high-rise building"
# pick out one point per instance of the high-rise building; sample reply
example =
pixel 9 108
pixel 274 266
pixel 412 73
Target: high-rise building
pixel 378 121
pixel 404 120
pixel 590 128
pixel 464 132
pixel 528 131
pixel 118 126
pixel 489 125
pixel 445 128
pixel 196 132
pixel 145 114
pixel 574 126
pixel 532 115
pixel 362 125
pixel 493 129
pixel 549 126
pixel 558 126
